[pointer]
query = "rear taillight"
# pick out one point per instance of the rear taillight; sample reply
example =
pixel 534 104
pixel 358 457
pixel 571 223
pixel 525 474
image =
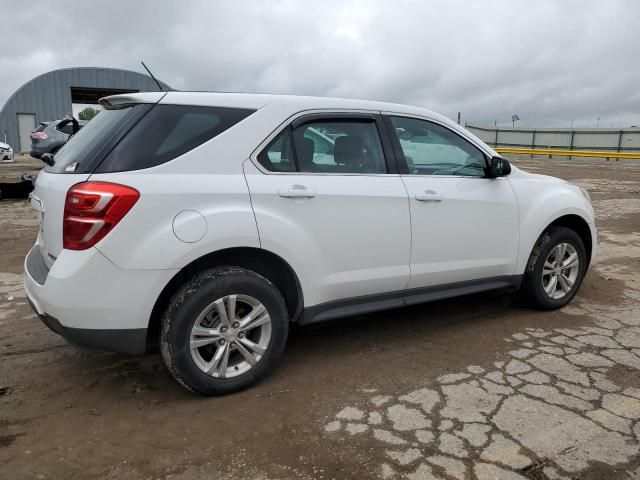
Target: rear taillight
pixel 39 135
pixel 92 209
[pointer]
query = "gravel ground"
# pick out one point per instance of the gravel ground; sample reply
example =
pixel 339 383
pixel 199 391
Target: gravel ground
pixel 473 388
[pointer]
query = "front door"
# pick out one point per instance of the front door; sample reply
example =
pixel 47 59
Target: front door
pixel 464 226
pixel 326 201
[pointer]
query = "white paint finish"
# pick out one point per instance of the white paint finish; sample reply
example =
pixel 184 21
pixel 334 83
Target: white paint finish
pixel 189 226
pixel 85 290
pixel 472 233
pixel 351 239
pixel 222 200
pixel 541 200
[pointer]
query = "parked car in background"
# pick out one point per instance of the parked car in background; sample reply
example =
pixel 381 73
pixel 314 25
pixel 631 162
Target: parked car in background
pixel 6 152
pixel 208 222
pixel 49 137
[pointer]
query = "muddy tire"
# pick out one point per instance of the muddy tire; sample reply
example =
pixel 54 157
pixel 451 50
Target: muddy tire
pixel 555 269
pixel 223 331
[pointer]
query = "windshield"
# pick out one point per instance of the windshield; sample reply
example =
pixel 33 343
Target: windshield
pixel 80 146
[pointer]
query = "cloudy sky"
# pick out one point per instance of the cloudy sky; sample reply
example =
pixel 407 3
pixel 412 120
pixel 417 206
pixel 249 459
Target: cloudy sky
pixel 549 61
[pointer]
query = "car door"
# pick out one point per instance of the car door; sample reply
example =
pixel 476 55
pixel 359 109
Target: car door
pixel 464 225
pixel 328 200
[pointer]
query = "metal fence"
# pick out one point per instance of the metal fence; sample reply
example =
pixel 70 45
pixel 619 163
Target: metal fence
pixel 602 139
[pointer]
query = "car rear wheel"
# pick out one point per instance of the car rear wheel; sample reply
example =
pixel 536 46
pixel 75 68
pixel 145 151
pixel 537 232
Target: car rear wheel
pixel 556 268
pixel 224 330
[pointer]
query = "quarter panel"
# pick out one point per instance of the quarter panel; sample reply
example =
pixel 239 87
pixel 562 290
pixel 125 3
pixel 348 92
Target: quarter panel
pixel 145 238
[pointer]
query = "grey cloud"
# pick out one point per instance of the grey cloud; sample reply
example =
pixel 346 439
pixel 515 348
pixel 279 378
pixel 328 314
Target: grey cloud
pixel 548 61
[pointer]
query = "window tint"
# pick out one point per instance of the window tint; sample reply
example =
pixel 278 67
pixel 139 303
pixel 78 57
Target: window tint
pixel 431 149
pixel 167 132
pixel 278 156
pixel 339 147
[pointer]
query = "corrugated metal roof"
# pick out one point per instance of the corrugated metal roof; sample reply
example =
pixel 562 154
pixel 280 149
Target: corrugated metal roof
pixel 48 96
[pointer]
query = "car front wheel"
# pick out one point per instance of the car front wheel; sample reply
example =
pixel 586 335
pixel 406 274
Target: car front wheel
pixel 556 268
pixel 224 330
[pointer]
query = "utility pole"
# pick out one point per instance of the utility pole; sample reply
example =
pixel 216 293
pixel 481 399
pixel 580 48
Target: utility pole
pixel 459 117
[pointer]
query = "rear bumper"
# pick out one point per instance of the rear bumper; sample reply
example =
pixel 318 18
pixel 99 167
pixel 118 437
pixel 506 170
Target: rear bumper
pixel 132 341
pixel 91 302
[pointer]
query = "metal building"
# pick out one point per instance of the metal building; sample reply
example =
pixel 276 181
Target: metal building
pixel 50 96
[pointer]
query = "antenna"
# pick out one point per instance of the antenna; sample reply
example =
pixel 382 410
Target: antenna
pixel 154 78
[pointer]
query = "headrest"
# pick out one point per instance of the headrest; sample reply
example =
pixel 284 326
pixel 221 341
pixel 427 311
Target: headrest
pixel 349 150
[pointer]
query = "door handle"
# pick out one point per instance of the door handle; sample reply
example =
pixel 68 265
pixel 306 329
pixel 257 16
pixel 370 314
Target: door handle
pixel 429 196
pixel 297 191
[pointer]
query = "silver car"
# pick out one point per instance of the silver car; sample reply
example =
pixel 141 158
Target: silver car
pixel 49 137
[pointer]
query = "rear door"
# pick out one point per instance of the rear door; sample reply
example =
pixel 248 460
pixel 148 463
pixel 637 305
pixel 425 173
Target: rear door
pixel 464 225
pixel 328 199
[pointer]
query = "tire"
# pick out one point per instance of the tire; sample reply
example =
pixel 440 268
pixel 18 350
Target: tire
pixel 537 275
pixel 243 291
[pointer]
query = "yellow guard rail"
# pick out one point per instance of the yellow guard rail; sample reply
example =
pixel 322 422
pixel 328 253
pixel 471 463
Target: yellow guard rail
pixel 569 153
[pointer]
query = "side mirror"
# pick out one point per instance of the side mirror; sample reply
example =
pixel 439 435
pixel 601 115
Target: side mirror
pixel 499 167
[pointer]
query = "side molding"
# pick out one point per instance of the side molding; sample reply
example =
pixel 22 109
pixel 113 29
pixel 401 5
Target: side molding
pixel 374 303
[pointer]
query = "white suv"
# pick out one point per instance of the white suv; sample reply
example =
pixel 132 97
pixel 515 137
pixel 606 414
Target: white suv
pixel 207 222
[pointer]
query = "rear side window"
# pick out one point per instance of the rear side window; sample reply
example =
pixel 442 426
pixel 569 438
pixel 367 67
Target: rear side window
pixel 327 146
pixel 166 132
pixel 278 156
pixel 339 147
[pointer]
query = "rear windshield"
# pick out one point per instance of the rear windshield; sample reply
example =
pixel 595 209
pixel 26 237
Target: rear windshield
pixel 129 138
pixel 74 154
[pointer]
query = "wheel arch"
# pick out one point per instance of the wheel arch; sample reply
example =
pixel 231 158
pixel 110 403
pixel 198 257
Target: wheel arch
pixel 578 225
pixel 266 263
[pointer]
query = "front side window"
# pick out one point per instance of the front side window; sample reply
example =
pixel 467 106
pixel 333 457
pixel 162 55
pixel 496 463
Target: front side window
pixel 431 149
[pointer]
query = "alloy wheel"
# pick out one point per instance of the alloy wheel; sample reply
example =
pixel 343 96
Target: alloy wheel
pixel 230 336
pixel 560 270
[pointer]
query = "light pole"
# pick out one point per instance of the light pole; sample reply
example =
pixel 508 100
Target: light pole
pixel 514 117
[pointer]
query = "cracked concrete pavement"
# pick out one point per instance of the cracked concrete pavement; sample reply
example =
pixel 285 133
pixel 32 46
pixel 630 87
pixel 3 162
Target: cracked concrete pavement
pixel 473 388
